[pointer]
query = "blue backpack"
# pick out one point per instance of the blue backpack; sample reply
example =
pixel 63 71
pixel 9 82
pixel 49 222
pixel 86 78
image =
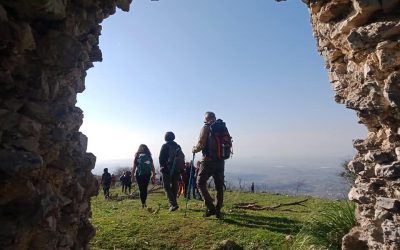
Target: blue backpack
pixel 144 166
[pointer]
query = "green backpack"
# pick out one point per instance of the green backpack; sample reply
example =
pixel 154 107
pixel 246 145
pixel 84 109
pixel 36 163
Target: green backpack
pixel 144 165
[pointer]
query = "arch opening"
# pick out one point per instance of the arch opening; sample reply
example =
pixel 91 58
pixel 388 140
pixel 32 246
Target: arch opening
pixel 41 143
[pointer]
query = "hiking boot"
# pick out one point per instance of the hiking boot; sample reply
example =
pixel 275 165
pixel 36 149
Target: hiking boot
pixel 208 213
pixel 143 206
pixel 218 214
pixel 173 208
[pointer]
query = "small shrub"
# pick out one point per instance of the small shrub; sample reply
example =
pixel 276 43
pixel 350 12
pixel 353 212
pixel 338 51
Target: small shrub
pixel 348 175
pixel 327 231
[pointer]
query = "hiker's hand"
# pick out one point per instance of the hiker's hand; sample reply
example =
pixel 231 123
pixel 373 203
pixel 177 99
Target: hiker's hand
pixel 194 150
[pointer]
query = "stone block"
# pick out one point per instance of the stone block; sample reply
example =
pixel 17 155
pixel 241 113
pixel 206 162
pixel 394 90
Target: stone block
pixel 388 58
pixel 356 166
pixel 388 171
pixel 380 157
pixel 333 10
pixel 363 11
pixel 388 203
pixel 389 5
pixel 397 150
pixel 123 4
pixel 382 214
pixel 3 14
pixel 391 232
pixel 26 39
pixel 19 162
pixel 392 89
pixel 359 195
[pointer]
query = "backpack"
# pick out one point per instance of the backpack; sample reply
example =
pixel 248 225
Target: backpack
pixel 219 141
pixel 144 165
pixel 176 159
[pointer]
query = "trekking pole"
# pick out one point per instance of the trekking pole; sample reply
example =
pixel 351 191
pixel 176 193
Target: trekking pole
pixel 189 184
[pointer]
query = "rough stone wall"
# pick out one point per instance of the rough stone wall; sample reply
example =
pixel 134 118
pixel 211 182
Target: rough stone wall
pixel 359 40
pixel 46 46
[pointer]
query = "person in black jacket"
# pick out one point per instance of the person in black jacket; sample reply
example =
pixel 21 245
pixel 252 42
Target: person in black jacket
pixel 106 182
pixel 170 178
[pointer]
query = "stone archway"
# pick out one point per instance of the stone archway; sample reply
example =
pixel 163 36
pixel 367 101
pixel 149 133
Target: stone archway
pixel 45 173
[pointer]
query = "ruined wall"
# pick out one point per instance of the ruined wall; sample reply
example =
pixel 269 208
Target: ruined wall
pixel 46 46
pixel 359 40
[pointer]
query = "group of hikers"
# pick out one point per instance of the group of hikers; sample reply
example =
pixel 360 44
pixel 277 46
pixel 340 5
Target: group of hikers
pixel 214 142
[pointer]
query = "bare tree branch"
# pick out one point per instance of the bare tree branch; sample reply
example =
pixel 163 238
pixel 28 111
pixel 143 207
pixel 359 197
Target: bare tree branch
pixel 254 206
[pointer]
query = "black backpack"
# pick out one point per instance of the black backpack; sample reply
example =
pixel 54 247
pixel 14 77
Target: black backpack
pixel 219 141
pixel 176 159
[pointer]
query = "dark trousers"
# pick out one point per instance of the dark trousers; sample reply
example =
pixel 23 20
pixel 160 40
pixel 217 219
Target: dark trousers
pixel 171 188
pixel 106 190
pixel 127 186
pixel 192 188
pixel 216 170
pixel 143 183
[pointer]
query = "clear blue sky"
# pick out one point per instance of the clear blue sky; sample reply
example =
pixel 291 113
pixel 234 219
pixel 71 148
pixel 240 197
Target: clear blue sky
pixel 253 62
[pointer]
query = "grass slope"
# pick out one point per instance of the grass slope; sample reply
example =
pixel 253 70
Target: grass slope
pixel 124 225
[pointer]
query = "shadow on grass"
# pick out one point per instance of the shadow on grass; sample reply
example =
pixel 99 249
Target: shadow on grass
pixel 274 224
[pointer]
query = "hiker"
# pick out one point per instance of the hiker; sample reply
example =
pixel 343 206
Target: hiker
pixel 143 170
pixel 252 187
pixel 122 181
pixel 113 180
pixel 106 182
pixel 191 186
pixel 214 154
pixel 186 174
pixel 196 173
pixel 128 182
pixel 170 167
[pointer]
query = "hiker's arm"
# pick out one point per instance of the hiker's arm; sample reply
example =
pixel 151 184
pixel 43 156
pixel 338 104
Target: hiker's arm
pixel 153 169
pixel 134 168
pixel 163 156
pixel 202 140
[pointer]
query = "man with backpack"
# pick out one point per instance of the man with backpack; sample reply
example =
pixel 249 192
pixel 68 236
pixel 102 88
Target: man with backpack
pixel 106 182
pixel 172 162
pixel 215 143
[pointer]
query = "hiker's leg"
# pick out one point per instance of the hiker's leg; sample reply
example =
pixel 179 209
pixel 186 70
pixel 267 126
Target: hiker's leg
pixel 202 179
pixel 167 188
pixel 187 191
pixel 218 176
pixel 193 187
pixel 146 180
pixel 142 187
pixel 130 188
pixel 174 188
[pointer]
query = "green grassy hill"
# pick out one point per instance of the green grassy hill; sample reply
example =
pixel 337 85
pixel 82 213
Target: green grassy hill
pixel 125 225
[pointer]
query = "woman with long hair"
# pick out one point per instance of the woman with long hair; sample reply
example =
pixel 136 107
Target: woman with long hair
pixel 143 169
